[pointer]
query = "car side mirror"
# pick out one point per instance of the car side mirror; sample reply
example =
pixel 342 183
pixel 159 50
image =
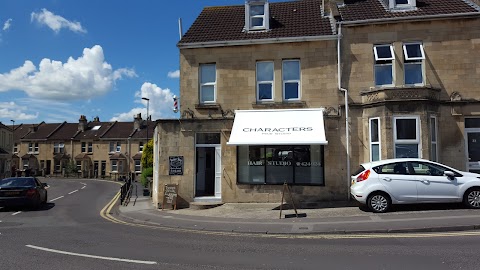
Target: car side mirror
pixel 45 184
pixel 449 174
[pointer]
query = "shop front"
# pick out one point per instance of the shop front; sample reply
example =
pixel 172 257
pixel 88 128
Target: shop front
pixel 279 146
pixel 247 158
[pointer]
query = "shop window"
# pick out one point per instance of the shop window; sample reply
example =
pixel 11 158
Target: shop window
pixel 291 79
pixel 407 137
pixel 414 57
pixel 433 139
pixel 264 81
pixel 384 57
pixel 208 83
pixel 375 150
pixel 296 165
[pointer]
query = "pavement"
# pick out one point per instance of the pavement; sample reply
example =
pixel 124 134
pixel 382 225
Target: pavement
pixel 323 218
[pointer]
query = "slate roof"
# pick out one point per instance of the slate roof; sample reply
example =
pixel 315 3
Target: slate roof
pixel 22 130
pixel 64 133
pixel 357 10
pixel 287 19
pixel 92 134
pixel 142 133
pixel 119 130
pixel 42 131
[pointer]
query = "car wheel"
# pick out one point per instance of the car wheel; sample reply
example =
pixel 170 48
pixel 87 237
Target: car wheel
pixel 472 198
pixel 379 202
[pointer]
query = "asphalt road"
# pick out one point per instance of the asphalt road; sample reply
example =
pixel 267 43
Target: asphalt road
pixel 69 233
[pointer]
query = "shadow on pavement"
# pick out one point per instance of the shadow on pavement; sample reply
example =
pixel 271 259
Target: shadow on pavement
pixel 44 207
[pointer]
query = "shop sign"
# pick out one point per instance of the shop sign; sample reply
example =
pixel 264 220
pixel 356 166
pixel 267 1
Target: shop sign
pixel 175 165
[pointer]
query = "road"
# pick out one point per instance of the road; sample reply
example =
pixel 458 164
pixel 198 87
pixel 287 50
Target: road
pixel 69 233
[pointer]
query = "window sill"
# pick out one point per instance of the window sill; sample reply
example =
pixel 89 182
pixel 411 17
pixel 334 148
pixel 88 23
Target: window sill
pixel 399 93
pixel 208 106
pixel 279 105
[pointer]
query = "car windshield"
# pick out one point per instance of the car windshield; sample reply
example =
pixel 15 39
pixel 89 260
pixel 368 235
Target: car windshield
pixel 17 182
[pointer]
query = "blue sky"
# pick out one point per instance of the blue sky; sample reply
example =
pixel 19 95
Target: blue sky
pixel 61 59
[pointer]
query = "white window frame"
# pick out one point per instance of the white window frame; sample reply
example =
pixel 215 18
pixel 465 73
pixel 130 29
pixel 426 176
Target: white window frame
pixel 411 60
pixel 115 147
pixel 202 84
pixel 379 138
pixel 411 4
pixel 114 165
pixel 249 17
pixel 58 147
pixel 434 138
pixel 265 82
pixel 141 145
pixel 15 147
pixel 33 148
pixel 416 141
pixel 89 147
pixel 298 81
pixel 379 64
pixel 138 167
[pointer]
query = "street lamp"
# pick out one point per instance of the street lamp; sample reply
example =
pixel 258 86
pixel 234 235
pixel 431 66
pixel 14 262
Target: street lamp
pixel 148 102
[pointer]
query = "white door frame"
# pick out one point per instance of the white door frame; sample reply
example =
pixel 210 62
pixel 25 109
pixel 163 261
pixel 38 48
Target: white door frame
pixel 218 172
pixel 465 137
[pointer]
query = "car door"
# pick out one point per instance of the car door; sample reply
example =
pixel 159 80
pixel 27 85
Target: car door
pixel 398 181
pixel 41 189
pixel 433 185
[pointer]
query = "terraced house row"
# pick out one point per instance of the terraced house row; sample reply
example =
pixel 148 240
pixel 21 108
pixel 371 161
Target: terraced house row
pixel 97 149
pixel 303 91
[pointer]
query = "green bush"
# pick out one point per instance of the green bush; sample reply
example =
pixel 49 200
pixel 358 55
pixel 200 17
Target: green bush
pixel 147 172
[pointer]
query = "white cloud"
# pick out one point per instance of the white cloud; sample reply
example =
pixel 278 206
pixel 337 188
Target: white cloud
pixel 55 22
pixel 78 79
pixel 11 110
pixel 159 106
pixel 174 74
pixel 7 24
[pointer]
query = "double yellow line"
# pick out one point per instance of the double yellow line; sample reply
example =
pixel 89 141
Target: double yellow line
pixel 106 214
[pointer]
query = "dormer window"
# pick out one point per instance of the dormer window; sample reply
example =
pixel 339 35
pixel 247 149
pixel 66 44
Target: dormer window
pixel 256 15
pixel 402 4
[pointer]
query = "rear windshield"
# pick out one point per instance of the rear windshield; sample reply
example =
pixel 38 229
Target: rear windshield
pixel 360 169
pixel 17 182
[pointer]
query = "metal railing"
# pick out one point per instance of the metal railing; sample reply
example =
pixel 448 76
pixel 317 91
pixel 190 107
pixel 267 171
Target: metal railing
pixel 126 191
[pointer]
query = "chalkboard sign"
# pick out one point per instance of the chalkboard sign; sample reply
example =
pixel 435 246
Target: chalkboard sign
pixel 175 164
pixel 170 193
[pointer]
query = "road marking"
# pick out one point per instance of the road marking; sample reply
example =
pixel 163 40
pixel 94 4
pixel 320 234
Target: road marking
pixel 73 192
pixel 83 183
pixel 56 198
pixel 16 213
pixel 83 187
pixel 91 256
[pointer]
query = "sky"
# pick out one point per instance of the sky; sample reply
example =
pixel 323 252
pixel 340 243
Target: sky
pixel 60 59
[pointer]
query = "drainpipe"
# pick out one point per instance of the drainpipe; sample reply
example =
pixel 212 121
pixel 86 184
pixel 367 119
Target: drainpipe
pixel 345 91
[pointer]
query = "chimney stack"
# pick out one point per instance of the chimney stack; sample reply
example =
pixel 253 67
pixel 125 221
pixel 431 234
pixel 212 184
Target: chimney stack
pixel 96 119
pixel 137 121
pixel 82 123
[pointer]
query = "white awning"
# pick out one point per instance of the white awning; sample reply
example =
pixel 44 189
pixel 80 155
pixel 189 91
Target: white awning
pixel 278 127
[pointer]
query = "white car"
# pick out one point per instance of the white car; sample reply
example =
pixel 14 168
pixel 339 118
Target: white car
pixel 379 184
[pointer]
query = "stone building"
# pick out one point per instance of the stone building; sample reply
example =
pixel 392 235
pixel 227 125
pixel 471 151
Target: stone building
pixel 6 147
pixel 97 149
pixel 253 78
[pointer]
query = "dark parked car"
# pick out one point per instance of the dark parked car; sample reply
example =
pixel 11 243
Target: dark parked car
pixel 22 191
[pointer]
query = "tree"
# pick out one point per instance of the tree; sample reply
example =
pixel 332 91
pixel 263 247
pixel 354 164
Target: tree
pixel 147 163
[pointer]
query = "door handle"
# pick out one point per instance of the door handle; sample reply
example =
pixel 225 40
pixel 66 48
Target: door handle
pixel 425 181
pixel 388 179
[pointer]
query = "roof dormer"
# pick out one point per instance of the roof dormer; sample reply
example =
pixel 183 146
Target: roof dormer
pixel 256 15
pixel 402 4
